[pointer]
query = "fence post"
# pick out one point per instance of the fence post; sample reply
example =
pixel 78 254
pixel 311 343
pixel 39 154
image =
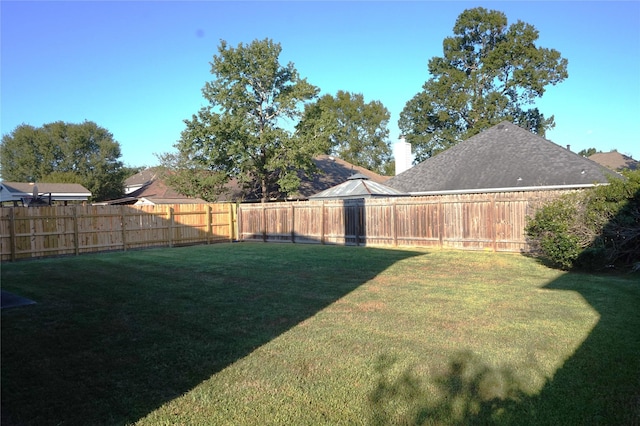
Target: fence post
pixel 124 228
pixel 76 233
pixel 33 231
pixel 12 233
pixel 209 224
pixel 440 223
pixel 170 212
pixel 292 224
pixel 322 214
pixel 238 213
pixel 394 223
pixel 492 218
pixel 264 223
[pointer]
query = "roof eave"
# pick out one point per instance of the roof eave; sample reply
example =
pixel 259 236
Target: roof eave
pixel 17 196
pixel 509 189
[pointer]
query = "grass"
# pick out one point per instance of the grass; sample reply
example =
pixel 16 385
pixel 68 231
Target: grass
pixel 307 335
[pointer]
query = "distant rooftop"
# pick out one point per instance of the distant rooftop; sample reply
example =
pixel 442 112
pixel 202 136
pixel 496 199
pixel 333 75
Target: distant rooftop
pixel 20 191
pixel 614 160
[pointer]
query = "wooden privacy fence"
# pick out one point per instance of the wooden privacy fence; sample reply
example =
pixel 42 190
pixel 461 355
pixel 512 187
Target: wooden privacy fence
pixel 28 232
pixel 490 221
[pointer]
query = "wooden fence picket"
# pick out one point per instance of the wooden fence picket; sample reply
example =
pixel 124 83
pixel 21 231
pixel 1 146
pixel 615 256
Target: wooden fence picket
pixel 490 221
pixel 487 221
pixel 32 232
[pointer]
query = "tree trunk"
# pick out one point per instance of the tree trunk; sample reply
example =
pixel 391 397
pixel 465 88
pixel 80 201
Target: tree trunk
pixel 264 190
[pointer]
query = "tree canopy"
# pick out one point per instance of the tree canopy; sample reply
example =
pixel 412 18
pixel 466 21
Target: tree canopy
pixel 64 153
pixel 243 132
pixel 588 152
pixel 489 72
pixel 353 130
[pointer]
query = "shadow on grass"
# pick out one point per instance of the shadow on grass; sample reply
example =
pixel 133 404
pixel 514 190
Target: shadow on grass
pixel 115 336
pixel 470 392
pixel 598 384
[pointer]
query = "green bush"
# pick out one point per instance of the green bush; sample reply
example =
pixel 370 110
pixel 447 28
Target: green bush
pixel 551 231
pixel 591 229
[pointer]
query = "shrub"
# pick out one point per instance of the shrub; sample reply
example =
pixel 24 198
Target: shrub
pixel 551 230
pixel 592 229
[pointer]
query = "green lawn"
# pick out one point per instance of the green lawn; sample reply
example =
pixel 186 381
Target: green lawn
pixel 244 334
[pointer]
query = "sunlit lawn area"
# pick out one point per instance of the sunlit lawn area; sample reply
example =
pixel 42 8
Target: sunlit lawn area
pixel 255 334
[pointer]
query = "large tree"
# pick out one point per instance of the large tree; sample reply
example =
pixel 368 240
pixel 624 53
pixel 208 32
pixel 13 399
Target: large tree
pixel 354 131
pixel 489 72
pixel 65 153
pixel 243 132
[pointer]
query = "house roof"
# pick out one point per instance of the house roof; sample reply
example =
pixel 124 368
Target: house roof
pixel 332 171
pixel 147 186
pixel 504 157
pixel 357 186
pixel 154 191
pixel 140 179
pixel 614 160
pixel 16 191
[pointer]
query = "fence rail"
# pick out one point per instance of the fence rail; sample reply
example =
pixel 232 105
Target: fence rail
pixel 62 230
pixel 491 221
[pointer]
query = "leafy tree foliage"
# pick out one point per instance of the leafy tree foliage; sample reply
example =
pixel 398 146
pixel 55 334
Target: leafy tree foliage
pixel 64 153
pixel 190 179
pixel 353 130
pixel 588 152
pixel 489 72
pixel 592 229
pixel 242 133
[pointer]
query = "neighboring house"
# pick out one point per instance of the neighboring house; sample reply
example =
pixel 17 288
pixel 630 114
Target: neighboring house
pixel 502 158
pixel 331 171
pixel 357 186
pixel 614 160
pixel 147 187
pixel 140 180
pixel 25 193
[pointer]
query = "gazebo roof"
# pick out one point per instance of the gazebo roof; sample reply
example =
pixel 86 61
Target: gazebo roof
pixel 357 186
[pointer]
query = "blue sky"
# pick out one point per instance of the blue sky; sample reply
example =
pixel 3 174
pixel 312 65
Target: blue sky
pixel 137 68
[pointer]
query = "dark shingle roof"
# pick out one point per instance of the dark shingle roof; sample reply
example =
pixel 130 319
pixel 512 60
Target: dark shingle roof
pixel 332 171
pixel 504 157
pixel 149 184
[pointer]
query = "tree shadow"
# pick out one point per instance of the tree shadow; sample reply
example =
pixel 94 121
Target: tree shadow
pixel 611 349
pixel 96 352
pixel 599 384
pixel 469 392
